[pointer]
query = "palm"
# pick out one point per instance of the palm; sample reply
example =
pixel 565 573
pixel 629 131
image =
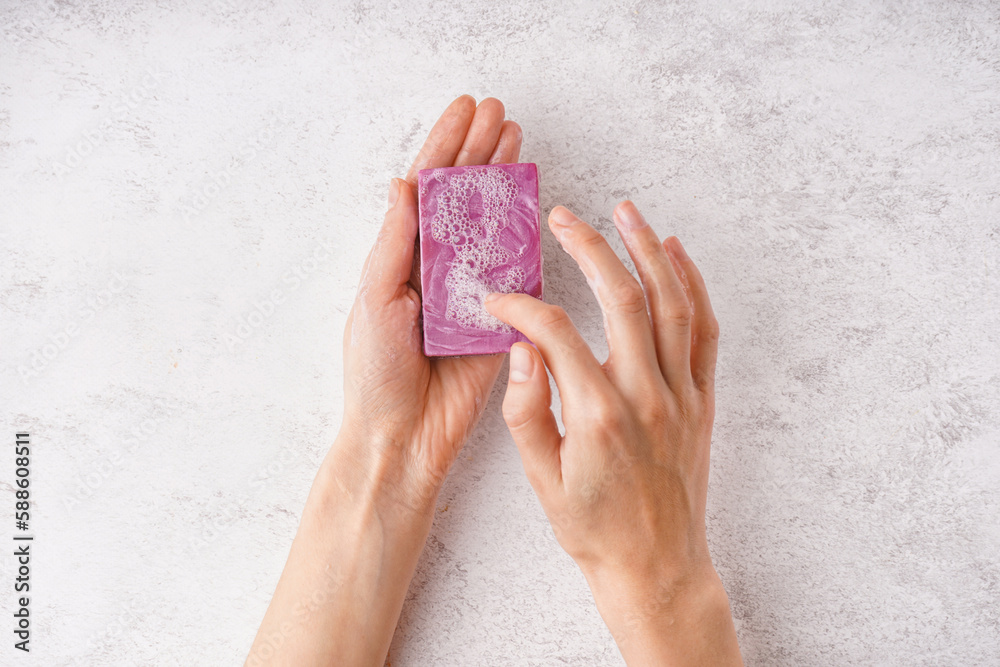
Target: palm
pixel 432 403
pixel 457 392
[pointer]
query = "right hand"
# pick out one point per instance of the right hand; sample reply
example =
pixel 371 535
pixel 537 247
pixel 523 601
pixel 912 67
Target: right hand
pixel 625 487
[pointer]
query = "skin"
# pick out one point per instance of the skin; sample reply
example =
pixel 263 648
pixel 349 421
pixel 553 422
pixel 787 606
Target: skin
pixel 625 487
pixel 631 470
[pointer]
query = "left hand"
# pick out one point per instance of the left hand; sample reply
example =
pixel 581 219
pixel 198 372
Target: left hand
pixel 405 419
pixel 414 412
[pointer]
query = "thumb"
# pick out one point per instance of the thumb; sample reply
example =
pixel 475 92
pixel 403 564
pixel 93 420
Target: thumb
pixel 391 258
pixel 527 409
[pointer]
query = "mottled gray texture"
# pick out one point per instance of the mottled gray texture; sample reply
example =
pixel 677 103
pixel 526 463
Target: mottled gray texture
pixel 833 167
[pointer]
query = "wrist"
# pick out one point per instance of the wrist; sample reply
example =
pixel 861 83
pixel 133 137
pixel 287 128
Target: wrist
pixel 373 468
pixel 352 560
pixel 677 616
pixel 651 588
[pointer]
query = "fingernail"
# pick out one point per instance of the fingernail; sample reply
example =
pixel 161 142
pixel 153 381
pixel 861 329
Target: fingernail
pixel 562 217
pixel 679 251
pixel 492 296
pixel 629 217
pixel 393 192
pixel 521 364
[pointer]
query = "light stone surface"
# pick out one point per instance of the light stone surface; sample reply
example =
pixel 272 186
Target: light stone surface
pixel 834 167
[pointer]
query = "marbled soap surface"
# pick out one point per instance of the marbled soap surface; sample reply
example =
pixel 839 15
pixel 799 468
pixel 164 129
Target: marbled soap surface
pixel 192 188
pixel 479 233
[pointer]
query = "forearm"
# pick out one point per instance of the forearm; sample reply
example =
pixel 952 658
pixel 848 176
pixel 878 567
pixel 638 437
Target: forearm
pixel 342 589
pixel 668 620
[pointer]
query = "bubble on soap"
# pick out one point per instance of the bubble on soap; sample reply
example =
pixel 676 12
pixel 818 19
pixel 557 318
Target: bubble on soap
pixel 478 253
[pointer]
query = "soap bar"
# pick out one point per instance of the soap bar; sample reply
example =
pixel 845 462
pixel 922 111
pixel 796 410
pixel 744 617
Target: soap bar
pixel 479 233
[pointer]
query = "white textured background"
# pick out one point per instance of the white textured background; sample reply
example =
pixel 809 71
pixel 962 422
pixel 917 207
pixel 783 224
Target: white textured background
pixel 833 166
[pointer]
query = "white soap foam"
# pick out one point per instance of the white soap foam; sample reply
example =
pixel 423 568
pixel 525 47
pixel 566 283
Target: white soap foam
pixel 476 246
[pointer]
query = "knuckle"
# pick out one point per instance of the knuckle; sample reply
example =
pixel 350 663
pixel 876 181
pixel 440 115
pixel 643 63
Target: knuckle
pixel 575 345
pixel 680 316
pixel 516 413
pixel 660 414
pixel 654 412
pixel 710 330
pixel 553 319
pixel 626 296
pixel 606 415
pixel 705 381
pixel 650 255
pixel 589 239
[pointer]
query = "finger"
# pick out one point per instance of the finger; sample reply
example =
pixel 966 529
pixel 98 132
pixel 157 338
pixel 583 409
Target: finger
pixel 446 137
pixel 668 301
pixel 576 371
pixel 630 337
pixel 508 147
pixel 391 259
pixel 465 384
pixel 704 326
pixel 482 136
pixel 507 150
pixel 527 409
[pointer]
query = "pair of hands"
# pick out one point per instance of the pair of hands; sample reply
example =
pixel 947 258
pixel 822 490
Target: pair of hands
pixel 625 487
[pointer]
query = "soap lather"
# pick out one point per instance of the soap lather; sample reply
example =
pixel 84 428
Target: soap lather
pixel 479 233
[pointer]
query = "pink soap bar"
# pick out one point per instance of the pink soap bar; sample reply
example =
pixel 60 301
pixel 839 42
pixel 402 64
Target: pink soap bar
pixel 479 233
